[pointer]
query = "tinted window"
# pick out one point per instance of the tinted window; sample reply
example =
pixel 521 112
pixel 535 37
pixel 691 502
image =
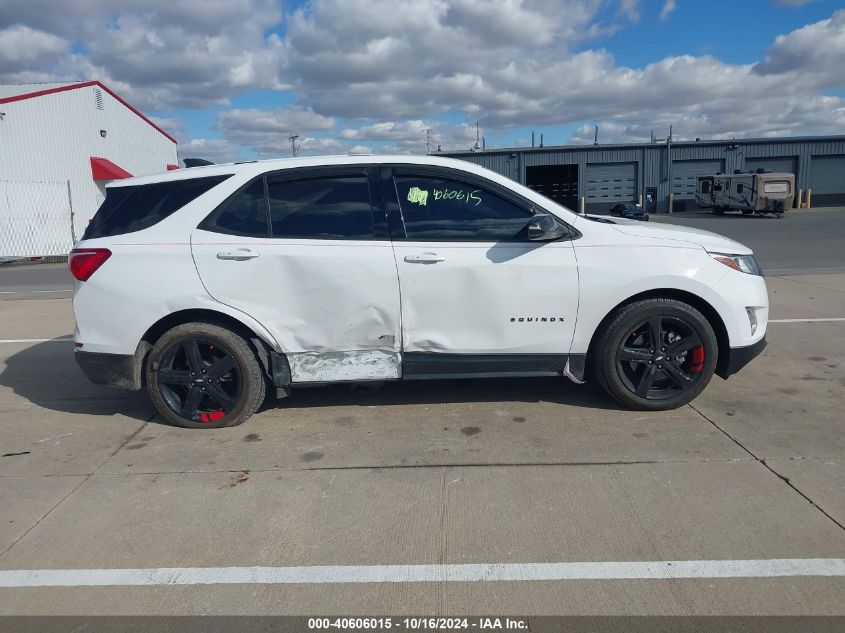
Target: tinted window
pixel 739 188
pixel 436 208
pixel 245 213
pixel 705 186
pixel 129 209
pixel 331 207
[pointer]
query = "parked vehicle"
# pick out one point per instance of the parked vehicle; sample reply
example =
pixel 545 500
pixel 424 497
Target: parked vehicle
pixel 211 286
pixel 630 210
pixel 757 192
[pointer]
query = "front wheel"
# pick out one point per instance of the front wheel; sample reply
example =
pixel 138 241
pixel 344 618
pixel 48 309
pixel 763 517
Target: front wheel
pixel 655 354
pixel 201 375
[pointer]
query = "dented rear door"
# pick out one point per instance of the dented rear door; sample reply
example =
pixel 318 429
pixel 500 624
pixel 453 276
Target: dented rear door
pixel 306 253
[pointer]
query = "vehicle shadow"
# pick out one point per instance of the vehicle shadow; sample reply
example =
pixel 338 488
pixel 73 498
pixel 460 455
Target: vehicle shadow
pixel 45 374
pixel 551 389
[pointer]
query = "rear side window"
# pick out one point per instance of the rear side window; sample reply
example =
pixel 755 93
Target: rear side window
pixel 329 208
pixel 130 209
pixel 245 213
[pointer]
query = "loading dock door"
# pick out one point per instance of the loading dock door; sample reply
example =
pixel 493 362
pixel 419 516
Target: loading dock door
pixel 827 180
pixel 607 184
pixel 685 175
pixel 558 182
pixel 781 164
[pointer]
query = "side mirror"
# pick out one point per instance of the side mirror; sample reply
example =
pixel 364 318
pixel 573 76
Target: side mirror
pixel 545 227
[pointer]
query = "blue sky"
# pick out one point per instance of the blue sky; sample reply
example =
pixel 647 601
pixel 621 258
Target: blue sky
pixel 236 78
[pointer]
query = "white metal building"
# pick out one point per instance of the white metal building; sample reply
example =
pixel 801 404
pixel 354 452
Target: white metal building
pixel 59 146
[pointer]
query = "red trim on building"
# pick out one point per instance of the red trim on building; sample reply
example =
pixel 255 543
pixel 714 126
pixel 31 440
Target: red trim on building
pixel 85 84
pixel 104 169
pixel 172 167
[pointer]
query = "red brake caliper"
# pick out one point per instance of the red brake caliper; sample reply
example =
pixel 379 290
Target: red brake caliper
pixel 697 360
pixel 211 416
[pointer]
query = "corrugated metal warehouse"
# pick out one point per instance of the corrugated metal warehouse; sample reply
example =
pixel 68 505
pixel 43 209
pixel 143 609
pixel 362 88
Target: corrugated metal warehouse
pixel 59 146
pixel 600 176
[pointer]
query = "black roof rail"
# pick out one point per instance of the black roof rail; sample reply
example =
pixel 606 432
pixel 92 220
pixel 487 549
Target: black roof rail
pixel 196 162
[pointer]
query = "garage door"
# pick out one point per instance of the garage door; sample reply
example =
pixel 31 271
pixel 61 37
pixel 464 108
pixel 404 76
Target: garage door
pixel 827 180
pixel 781 164
pixel 607 184
pixel 558 182
pixel 685 175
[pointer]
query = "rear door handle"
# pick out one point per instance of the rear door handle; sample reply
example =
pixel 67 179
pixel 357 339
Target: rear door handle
pixel 424 258
pixel 238 254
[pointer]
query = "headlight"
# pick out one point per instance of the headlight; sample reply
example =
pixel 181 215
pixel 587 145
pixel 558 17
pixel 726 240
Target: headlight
pixel 742 263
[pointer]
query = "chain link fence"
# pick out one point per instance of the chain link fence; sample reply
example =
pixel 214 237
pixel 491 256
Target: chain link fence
pixel 36 219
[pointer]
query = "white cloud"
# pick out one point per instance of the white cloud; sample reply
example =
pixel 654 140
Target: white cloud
pixel 631 9
pixel 668 8
pixel 22 46
pixel 168 53
pixel 817 50
pixel 387 69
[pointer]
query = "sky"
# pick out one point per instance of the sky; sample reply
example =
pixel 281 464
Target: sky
pixel 233 79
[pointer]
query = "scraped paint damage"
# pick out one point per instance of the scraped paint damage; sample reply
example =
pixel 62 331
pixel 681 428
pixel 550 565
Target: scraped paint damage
pixel 339 366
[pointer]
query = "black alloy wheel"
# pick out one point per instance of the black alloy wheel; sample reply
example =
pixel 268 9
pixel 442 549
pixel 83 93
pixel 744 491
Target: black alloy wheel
pixel 204 375
pixel 660 358
pixel 654 354
pixel 199 380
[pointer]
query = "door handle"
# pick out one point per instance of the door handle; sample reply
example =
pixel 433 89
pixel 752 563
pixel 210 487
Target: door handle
pixel 238 255
pixel 424 258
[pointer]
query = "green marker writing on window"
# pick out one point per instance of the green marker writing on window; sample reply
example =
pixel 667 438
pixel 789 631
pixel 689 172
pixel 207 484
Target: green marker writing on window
pixel 418 196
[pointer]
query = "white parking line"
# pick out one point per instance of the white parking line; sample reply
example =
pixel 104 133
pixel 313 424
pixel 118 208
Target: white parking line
pixel 495 572
pixel 61 339
pixel 806 320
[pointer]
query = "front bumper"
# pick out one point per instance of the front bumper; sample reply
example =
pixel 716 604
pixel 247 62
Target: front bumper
pixel 739 357
pixel 115 370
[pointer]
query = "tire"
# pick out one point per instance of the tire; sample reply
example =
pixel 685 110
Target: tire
pixel 204 376
pixel 622 356
pixel 718 211
pixel 747 211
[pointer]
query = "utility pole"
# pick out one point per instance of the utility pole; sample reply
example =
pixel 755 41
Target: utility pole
pixel 428 141
pixel 596 138
pixel 669 168
pixel 294 150
pixel 477 145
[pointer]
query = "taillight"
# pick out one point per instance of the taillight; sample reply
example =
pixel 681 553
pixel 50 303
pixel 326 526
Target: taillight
pixel 84 262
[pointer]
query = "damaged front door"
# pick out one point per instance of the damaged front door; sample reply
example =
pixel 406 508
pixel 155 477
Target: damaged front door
pixel 306 253
pixel 480 294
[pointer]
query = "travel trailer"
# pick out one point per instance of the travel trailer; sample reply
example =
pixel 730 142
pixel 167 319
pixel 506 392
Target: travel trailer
pixel 757 192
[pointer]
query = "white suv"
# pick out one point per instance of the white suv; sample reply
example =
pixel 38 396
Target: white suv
pixel 212 285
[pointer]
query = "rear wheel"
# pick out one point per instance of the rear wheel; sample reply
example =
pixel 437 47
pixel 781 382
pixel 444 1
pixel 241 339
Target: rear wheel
pixel 201 375
pixel 655 354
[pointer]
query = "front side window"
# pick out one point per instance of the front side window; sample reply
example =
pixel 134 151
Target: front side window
pixel 705 186
pixel 435 208
pixel 329 207
pixel 134 208
pixel 245 213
